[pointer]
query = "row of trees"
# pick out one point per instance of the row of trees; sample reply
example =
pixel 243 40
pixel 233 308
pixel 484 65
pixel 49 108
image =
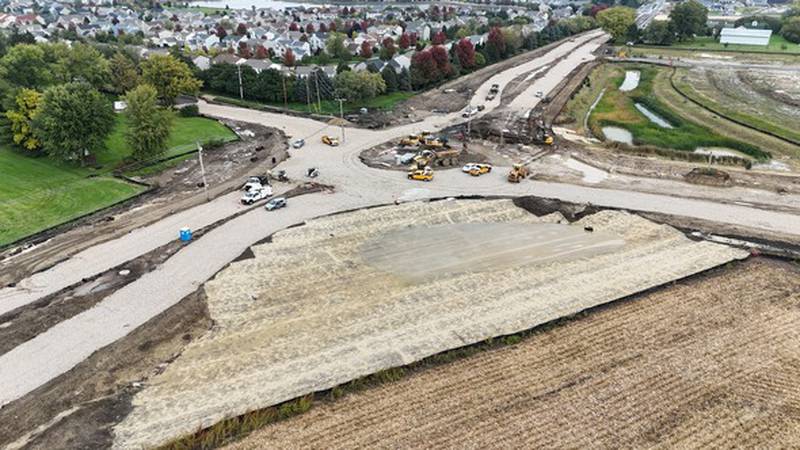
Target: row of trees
pixel 686 20
pixel 273 87
pixel 435 64
pixel 53 98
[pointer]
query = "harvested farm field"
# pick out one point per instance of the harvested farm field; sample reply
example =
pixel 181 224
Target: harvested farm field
pixel 319 306
pixel 711 362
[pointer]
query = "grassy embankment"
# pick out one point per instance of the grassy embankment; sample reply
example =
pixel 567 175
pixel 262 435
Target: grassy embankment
pixel 330 107
pixel 617 109
pixel 729 104
pixel 38 193
pixel 777 44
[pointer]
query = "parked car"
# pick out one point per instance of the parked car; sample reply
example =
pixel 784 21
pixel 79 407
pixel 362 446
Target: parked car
pixel 298 143
pixel 312 172
pixel 275 203
pixel 469 112
pixel 539 94
pixel 256 194
pixel 480 167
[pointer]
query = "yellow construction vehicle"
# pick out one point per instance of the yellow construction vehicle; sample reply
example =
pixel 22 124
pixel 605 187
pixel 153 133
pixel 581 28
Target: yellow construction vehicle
pixel 432 142
pixel 440 158
pixel 518 173
pixel 425 174
pixel 413 140
pixel 330 140
pixel 542 134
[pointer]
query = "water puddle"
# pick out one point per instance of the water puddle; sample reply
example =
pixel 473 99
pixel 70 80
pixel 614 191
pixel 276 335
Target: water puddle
pixel 720 151
pixel 631 81
pixel 655 118
pixel 618 134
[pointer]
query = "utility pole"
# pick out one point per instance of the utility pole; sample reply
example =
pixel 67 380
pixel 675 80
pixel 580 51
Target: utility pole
pixel 341 116
pixel 308 95
pixel 241 89
pixel 319 101
pixel 202 169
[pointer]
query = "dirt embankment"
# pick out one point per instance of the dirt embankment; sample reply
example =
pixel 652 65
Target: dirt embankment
pixel 177 190
pixel 711 361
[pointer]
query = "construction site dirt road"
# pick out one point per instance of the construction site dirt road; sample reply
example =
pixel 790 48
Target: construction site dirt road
pixel 55 351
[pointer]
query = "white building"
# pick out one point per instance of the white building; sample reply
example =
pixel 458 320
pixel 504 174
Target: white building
pixel 745 36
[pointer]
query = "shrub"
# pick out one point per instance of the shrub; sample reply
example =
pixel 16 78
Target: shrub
pixel 189 111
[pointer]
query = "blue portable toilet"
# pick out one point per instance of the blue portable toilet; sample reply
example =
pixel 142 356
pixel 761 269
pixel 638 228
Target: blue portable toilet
pixel 186 234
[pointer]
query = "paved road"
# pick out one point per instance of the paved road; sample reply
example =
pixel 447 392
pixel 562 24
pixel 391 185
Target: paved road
pixel 63 346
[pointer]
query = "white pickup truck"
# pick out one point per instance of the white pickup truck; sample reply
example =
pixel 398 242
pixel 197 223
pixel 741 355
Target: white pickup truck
pixel 255 194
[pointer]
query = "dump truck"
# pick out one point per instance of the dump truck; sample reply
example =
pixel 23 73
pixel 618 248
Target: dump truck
pixel 441 158
pixel 518 173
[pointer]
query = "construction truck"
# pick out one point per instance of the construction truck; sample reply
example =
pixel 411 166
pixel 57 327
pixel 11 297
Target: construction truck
pixel 431 142
pixel 425 174
pixel 330 140
pixel 441 158
pixel 518 173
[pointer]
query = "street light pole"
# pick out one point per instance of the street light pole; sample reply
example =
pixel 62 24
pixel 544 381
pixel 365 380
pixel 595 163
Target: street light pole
pixel 341 116
pixel 202 169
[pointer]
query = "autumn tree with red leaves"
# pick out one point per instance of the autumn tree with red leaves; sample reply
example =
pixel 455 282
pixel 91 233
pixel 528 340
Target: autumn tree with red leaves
pixel 288 58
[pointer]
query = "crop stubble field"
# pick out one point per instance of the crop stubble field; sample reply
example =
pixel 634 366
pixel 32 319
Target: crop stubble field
pixel 709 362
pixel 309 312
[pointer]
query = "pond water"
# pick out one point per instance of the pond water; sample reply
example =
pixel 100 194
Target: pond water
pixel 631 81
pixel 618 134
pixel 655 118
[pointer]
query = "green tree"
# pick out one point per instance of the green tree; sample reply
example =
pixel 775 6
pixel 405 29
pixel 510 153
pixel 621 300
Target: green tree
pixel 658 32
pixel 791 30
pixel 169 77
pixel 513 40
pixel 73 121
pixel 148 124
pixel 81 62
pixel 24 65
pixel 688 19
pixel 124 74
pixel 21 119
pixel 335 47
pixel 616 21
pixel 390 78
pixel 358 86
pixel 404 81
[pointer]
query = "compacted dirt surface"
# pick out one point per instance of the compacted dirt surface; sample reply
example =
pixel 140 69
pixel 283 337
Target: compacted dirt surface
pixel 709 362
pixel 340 298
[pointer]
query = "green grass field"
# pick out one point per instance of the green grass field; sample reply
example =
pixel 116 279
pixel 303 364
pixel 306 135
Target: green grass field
pixel 37 193
pixel 709 43
pixel 330 107
pixel 186 131
pixel 617 109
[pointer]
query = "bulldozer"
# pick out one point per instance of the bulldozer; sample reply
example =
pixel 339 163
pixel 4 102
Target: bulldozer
pixel 518 173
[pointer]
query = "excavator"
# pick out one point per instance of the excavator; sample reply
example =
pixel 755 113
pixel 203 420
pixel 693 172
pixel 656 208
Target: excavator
pixel 542 134
pixel 518 173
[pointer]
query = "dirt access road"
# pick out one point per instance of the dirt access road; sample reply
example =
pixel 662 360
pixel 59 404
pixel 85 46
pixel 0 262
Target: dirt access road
pixel 60 348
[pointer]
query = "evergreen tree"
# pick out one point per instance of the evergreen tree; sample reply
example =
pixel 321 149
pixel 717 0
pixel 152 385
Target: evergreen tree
pixel 390 78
